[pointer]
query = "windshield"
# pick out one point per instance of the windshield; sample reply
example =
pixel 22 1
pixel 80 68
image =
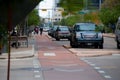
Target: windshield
pixel 86 27
pixel 64 28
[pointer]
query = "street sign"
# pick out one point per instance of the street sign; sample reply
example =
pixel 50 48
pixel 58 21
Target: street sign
pixel 81 12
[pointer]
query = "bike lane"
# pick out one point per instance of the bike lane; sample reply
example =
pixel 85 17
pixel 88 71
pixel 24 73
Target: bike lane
pixel 58 63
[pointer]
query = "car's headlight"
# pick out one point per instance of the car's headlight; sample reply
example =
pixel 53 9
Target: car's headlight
pixel 78 35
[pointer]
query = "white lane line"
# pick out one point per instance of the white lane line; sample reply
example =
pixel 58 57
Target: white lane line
pixel 92 64
pixel 107 76
pixel 49 54
pixel 35 64
pixel 35 71
pixel 37 76
pixel 100 71
pixel 89 62
pixel 96 67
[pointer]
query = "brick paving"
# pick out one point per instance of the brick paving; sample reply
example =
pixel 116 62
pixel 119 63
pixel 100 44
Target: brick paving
pixel 59 63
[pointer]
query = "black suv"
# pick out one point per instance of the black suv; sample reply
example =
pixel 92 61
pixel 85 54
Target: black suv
pixel 86 34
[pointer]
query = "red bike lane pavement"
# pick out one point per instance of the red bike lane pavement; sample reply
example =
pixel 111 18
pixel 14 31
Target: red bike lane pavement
pixel 59 63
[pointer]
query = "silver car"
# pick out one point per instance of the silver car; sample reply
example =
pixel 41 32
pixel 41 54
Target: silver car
pixel 117 33
pixel 62 32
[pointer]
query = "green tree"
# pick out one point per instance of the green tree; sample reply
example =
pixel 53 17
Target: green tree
pixel 71 6
pixel 110 11
pixel 71 20
pixel 33 18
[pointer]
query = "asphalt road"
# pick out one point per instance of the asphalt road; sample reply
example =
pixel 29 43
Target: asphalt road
pixel 107 66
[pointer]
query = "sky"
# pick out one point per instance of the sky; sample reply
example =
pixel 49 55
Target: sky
pixel 46 4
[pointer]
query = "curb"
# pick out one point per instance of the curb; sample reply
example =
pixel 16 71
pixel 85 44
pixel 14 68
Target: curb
pixel 84 54
pixel 93 55
pixel 19 55
pixel 22 57
pixel 89 54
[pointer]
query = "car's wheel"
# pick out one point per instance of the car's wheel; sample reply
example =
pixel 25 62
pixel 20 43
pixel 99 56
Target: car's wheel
pixel 118 45
pixel 72 44
pixel 58 39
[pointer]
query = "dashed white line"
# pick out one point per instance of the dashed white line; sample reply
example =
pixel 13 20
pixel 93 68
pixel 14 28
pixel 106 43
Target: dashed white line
pixel 92 64
pixel 36 71
pixel 37 76
pixel 100 71
pixel 107 76
pixel 96 67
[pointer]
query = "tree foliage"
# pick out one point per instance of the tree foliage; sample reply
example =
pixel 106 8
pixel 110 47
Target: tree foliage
pixel 71 20
pixel 71 6
pixel 110 11
pixel 33 18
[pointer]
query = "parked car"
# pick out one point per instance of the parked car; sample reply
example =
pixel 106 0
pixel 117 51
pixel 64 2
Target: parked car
pixel 117 33
pixel 86 34
pixel 52 30
pixel 45 29
pixel 62 32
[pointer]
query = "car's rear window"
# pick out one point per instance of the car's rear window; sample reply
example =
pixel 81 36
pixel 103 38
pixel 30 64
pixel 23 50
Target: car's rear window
pixel 64 28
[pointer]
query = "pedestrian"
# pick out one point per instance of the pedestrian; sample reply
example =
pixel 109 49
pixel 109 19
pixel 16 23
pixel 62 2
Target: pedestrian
pixel 36 30
pixel 41 30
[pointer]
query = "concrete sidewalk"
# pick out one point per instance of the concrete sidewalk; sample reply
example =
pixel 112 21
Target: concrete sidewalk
pixel 21 52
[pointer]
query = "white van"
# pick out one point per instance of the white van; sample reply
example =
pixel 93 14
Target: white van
pixel 117 33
